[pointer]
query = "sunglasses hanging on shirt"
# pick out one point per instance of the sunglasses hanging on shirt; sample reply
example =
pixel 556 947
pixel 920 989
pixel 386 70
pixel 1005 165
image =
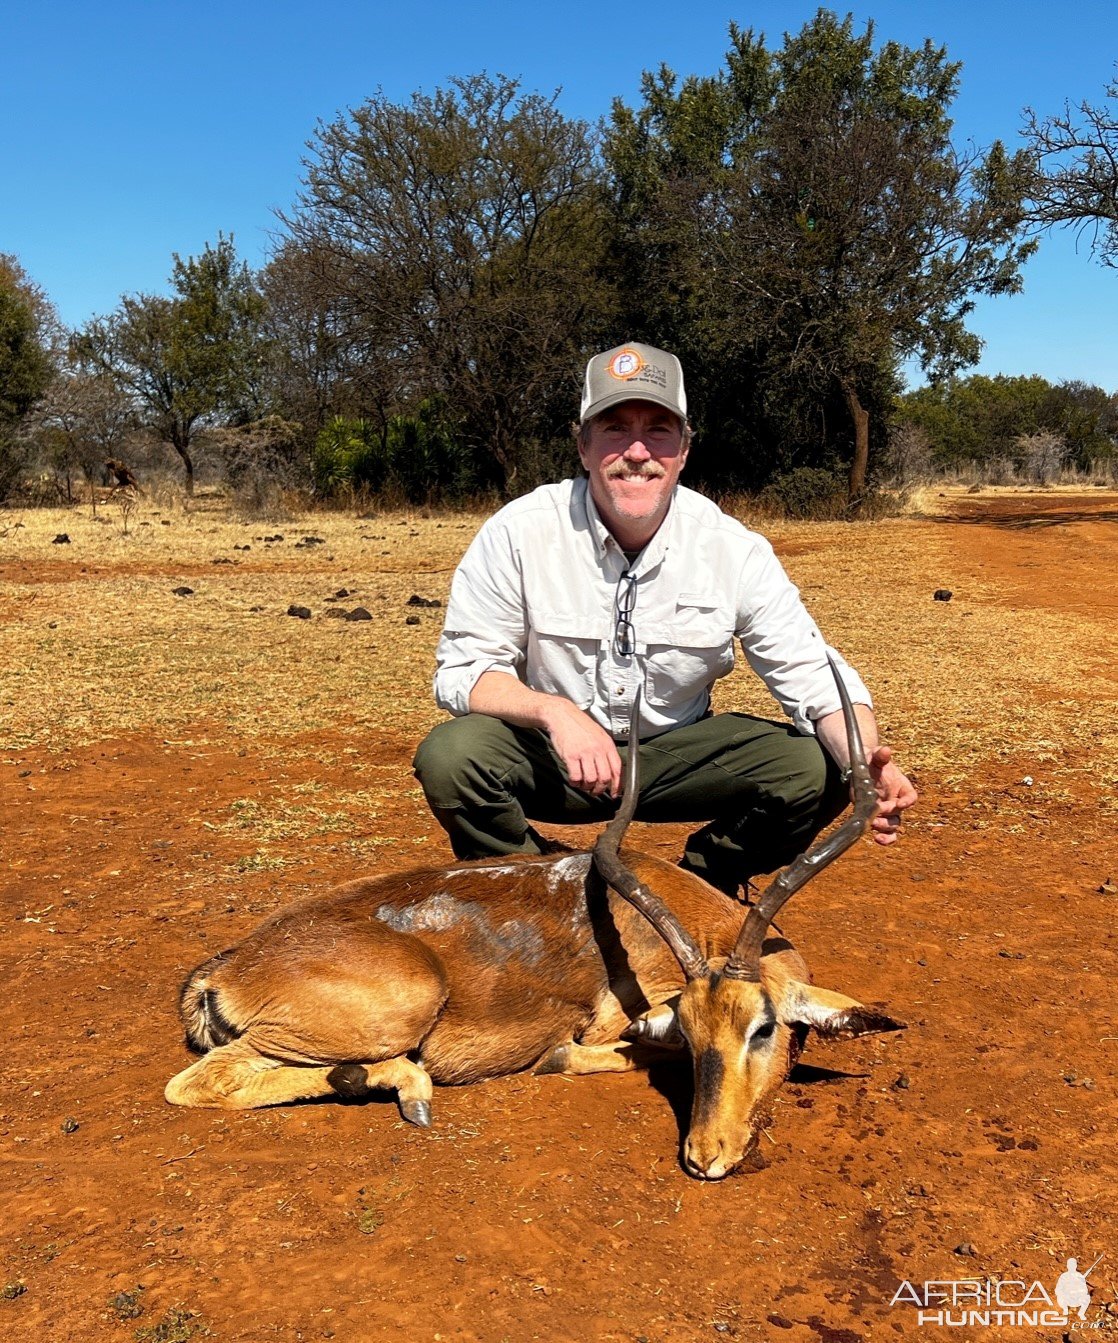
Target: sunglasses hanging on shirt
pixel 624 641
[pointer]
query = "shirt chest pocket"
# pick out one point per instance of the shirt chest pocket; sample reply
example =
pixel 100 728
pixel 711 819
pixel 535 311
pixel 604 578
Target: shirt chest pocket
pixel 689 648
pixel 563 652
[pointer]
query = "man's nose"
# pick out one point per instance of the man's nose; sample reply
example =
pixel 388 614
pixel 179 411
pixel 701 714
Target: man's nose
pixel 637 451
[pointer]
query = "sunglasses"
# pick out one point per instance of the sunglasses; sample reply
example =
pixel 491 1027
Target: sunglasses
pixel 624 640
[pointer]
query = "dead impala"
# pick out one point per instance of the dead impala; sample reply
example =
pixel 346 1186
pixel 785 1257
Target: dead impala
pixel 461 973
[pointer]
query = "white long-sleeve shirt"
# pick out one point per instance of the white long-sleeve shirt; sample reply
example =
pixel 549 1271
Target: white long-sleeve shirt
pixel 535 596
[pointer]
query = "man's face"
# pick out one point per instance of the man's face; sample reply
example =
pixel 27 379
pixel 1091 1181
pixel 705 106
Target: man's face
pixel 633 454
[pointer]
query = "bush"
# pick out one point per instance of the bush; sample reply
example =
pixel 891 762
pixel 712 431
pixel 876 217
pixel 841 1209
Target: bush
pixel 418 458
pixel 348 456
pixel 1041 456
pixel 810 492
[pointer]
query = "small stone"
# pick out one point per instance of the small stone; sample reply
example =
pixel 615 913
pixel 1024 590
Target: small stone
pixel 336 613
pixel 300 612
pixel 901 1084
pixel 412 620
pixel 1108 888
pixel 183 592
pixel 342 592
pixel 942 595
pixel 780 1321
pixel 359 613
pixel 416 600
pixel 70 1125
pixel 61 540
pixel 966 1249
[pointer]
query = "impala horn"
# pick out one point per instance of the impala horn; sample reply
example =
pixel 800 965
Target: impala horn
pixel 624 881
pixel 745 960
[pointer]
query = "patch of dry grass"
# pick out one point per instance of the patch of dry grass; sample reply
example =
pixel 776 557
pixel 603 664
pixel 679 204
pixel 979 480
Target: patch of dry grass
pixel 95 645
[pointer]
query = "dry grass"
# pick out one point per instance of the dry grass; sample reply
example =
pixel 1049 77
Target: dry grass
pixel 95 645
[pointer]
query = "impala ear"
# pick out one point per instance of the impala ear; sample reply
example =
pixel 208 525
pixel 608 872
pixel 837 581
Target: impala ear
pixel 833 1015
pixel 659 1025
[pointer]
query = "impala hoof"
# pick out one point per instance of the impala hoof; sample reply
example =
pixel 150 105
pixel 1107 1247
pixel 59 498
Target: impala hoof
pixel 417 1112
pixel 555 1062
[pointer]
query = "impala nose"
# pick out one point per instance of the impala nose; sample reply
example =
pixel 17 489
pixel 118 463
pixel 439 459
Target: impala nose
pixel 711 1158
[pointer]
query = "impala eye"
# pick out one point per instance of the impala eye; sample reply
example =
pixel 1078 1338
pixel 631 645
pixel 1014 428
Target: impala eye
pixel 763 1033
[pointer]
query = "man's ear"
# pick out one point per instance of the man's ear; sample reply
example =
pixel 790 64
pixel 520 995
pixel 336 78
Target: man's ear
pixel 833 1015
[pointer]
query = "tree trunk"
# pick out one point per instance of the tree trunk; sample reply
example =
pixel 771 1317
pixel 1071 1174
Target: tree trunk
pixel 183 450
pixel 860 463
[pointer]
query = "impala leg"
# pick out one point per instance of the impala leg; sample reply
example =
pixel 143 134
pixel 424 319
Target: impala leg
pixel 410 1082
pixel 621 1056
pixel 236 1077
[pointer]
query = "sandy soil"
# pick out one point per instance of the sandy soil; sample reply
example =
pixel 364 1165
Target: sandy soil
pixel 979 1142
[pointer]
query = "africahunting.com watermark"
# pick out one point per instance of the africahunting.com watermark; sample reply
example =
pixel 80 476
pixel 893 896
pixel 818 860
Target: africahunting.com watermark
pixel 970 1302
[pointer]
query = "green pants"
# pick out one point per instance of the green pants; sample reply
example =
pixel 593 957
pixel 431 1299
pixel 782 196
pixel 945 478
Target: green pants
pixel 762 790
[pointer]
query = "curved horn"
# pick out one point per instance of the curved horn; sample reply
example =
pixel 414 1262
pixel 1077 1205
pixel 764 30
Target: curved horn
pixel 624 881
pixel 745 960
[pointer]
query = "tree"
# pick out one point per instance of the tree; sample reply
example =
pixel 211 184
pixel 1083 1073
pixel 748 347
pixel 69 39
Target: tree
pixel 982 420
pixel 1077 171
pixel 191 360
pixel 843 233
pixel 28 332
pixel 85 418
pixel 464 230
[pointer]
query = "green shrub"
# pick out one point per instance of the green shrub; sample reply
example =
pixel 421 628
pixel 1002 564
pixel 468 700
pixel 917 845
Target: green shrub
pixel 812 492
pixel 417 458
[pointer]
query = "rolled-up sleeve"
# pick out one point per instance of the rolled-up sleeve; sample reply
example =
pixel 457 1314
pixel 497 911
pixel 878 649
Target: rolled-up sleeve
pixel 486 625
pixel 783 645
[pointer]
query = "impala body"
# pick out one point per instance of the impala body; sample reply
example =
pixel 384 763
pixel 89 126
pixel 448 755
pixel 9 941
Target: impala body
pixel 577 963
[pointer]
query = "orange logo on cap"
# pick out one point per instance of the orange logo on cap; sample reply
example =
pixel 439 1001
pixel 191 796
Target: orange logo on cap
pixel 624 365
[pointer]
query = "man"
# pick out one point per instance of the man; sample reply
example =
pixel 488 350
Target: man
pixel 571 598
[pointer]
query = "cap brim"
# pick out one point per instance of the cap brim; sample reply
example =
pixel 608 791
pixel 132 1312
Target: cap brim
pixel 622 394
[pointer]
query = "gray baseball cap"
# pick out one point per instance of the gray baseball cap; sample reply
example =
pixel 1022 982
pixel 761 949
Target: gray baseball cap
pixel 633 373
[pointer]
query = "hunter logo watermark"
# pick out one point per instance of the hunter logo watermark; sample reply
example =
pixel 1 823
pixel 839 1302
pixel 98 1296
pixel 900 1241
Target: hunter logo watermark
pixel 969 1302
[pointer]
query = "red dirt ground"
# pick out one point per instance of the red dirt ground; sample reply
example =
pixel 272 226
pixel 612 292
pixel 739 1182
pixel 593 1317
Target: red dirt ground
pixel 980 1142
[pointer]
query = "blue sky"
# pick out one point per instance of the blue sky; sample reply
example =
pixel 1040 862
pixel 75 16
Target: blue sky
pixel 129 131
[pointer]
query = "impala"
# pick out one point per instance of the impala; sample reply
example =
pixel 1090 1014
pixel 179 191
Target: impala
pixel 579 963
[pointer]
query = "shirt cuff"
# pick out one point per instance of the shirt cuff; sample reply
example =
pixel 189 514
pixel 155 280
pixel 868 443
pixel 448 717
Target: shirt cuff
pixel 453 685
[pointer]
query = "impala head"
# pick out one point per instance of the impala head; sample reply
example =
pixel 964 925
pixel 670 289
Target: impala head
pixel 746 1021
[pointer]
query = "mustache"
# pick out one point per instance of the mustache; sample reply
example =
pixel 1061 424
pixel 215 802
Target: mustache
pixel 622 470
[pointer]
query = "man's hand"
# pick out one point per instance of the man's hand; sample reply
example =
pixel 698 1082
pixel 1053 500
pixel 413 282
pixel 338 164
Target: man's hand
pixel 586 749
pixel 895 794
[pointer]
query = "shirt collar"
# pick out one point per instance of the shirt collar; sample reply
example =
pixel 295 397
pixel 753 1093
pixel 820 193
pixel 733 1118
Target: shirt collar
pixel 605 544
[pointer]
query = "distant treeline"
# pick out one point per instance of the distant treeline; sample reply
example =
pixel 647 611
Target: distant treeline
pixel 1027 425
pixel 795 227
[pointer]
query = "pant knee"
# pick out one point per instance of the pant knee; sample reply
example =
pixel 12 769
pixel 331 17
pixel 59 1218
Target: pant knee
pixel 463 760
pixel 440 761
pixel 806 777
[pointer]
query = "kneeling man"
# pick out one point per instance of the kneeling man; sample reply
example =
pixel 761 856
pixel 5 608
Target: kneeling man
pixel 571 598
